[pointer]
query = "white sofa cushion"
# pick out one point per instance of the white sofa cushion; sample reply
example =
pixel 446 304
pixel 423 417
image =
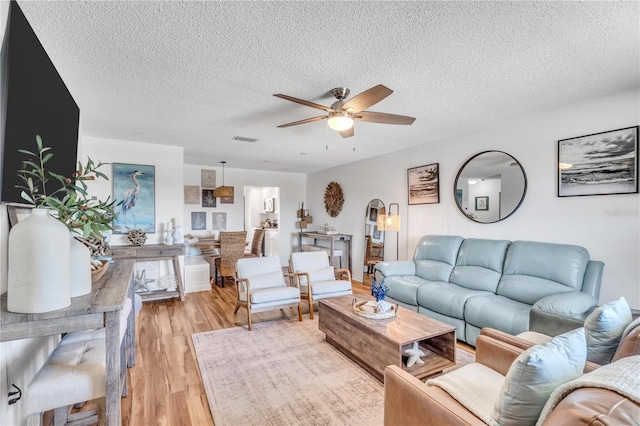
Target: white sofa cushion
pixel 604 327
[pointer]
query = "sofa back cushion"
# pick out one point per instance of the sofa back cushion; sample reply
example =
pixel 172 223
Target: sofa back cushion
pixel 435 256
pixel 479 264
pixel 630 341
pixel 533 270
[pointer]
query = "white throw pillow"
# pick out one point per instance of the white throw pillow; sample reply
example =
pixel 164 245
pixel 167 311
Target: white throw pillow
pixel 323 274
pixel 536 373
pixel 604 327
pixel 271 279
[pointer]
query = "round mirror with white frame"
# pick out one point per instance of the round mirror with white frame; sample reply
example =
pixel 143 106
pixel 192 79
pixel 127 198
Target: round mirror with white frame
pixel 490 186
pixel 373 237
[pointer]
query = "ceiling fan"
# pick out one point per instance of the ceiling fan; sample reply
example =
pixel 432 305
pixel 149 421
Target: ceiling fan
pixel 342 114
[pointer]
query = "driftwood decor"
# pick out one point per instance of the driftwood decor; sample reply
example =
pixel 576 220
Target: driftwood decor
pixel 333 199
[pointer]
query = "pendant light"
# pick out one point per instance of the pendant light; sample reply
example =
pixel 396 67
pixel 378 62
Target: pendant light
pixel 223 191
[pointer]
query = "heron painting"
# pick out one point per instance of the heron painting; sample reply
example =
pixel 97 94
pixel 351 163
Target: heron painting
pixel 134 185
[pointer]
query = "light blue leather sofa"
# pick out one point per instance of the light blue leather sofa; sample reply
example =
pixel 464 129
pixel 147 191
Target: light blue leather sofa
pixel 474 283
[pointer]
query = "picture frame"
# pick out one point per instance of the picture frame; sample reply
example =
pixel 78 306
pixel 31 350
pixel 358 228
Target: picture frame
pixel 191 194
pixel 482 203
pixel 134 185
pixel 424 184
pixel 219 221
pixel 376 232
pixel 198 221
pixel 269 205
pixel 208 198
pixel 373 214
pixel 208 178
pixel 602 163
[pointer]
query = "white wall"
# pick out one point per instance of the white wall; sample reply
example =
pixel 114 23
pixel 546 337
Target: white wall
pixel 292 194
pixel 168 169
pixel 608 226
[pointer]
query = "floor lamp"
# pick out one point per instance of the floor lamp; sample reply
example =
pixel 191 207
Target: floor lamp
pixel 391 222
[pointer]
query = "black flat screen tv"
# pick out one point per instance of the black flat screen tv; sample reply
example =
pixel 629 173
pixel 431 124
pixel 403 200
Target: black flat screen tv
pixel 35 101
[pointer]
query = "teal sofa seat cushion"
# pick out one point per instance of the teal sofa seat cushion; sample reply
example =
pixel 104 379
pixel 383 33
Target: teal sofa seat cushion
pixel 497 312
pixel 405 288
pixel 447 299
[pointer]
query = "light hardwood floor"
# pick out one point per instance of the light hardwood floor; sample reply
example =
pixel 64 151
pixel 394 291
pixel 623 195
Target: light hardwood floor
pixel 164 385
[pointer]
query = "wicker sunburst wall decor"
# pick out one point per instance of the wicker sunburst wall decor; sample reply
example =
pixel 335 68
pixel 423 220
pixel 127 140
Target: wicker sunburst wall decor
pixel 333 199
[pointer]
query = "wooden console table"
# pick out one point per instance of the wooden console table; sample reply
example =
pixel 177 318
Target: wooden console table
pixel 332 238
pixel 100 308
pixel 154 252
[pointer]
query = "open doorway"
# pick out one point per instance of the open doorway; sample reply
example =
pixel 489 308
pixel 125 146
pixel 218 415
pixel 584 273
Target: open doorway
pixel 262 210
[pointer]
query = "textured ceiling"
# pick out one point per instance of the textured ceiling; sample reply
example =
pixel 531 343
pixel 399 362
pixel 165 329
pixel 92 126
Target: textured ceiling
pixel 196 74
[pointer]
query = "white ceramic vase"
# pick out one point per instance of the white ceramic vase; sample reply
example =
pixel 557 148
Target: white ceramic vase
pixel 39 265
pixel 80 264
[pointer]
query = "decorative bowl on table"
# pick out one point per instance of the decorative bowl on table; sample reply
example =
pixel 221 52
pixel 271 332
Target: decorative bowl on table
pixel 374 310
pixel 98 271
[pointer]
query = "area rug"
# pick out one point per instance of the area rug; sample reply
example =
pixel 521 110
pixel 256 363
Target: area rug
pixel 284 373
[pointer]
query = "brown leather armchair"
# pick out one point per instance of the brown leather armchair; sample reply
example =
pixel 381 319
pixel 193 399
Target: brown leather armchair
pixel 409 401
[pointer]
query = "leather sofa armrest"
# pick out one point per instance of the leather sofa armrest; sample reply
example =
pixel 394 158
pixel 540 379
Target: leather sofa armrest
pixel 496 354
pixel 409 401
pixel 397 267
pixel 552 323
pixel 506 338
pixel 575 304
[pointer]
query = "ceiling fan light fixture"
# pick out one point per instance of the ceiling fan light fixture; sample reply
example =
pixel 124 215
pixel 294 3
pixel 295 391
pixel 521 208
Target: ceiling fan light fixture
pixel 340 121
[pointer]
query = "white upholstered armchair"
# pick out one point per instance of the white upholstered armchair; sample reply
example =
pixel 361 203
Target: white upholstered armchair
pixel 317 279
pixel 261 286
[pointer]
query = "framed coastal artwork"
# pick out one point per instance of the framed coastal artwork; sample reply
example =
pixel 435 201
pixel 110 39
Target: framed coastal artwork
pixel 599 164
pixel 424 184
pixel 482 203
pixel 198 221
pixel 219 221
pixel 208 178
pixel 135 186
pixel 208 199
pixel 191 194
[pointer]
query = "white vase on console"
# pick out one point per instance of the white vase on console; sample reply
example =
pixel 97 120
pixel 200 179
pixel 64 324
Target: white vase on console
pixel 39 264
pixel 80 268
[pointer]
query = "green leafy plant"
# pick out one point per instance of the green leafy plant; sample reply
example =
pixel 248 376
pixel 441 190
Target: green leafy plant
pixel 71 201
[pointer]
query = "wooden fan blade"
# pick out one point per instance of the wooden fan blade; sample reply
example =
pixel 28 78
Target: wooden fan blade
pixel 367 98
pixel 303 102
pixel 383 117
pixel 347 133
pixel 306 120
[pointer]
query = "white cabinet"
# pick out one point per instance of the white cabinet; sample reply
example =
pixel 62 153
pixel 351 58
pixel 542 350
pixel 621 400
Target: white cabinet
pixel 272 243
pixel 196 275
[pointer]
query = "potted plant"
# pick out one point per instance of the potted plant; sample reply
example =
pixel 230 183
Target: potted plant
pixel 85 218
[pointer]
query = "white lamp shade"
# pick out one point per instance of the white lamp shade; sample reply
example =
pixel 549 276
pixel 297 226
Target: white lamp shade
pixel 340 121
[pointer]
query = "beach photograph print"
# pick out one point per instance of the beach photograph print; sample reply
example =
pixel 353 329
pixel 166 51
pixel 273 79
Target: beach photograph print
pixel 424 186
pixel 599 164
pixel 135 186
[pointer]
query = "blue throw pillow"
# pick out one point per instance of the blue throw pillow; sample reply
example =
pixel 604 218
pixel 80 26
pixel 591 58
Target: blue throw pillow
pixel 604 327
pixel 536 373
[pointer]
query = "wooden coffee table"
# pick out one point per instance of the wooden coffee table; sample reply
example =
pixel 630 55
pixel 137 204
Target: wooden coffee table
pixel 376 343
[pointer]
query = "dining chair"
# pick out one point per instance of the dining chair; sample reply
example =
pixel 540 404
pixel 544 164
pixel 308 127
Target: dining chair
pixel 231 249
pixel 316 278
pixel 256 243
pixel 261 286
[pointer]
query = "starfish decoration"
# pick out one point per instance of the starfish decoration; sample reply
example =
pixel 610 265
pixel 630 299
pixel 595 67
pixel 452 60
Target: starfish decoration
pixel 141 282
pixel 414 355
